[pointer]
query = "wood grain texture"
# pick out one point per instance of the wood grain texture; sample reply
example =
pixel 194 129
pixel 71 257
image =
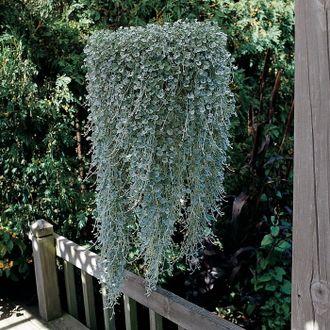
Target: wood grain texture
pixel 311 236
pixel 77 255
pixel 130 310
pixel 155 321
pixel 29 319
pixel 89 300
pixel 173 307
pixel 43 246
pixel 70 289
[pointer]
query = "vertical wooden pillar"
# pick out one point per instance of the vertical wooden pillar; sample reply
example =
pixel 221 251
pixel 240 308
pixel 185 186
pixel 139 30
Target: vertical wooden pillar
pixel 45 270
pixel 311 227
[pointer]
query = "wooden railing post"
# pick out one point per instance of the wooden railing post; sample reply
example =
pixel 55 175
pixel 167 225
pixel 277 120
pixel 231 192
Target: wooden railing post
pixel 70 288
pixel 109 317
pixel 311 189
pixel 89 300
pixel 155 320
pixel 43 245
pixel 130 311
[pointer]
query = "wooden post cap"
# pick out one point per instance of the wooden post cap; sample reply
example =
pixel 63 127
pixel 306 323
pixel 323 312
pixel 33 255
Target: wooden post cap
pixel 42 228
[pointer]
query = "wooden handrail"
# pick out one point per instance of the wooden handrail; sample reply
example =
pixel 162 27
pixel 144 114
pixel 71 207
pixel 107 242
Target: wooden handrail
pixel 176 309
pixel 78 256
pixel 163 302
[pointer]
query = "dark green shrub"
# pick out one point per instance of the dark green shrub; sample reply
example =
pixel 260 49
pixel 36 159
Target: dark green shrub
pixel 14 255
pixel 42 159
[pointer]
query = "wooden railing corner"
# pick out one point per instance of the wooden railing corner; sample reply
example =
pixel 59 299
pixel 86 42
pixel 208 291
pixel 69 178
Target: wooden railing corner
pixel 47 245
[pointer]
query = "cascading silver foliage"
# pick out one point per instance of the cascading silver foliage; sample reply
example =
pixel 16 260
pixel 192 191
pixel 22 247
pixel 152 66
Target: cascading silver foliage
pixel 160 108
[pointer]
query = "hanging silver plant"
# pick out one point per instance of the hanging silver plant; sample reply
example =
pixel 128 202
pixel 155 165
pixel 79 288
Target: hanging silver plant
pixel 160 106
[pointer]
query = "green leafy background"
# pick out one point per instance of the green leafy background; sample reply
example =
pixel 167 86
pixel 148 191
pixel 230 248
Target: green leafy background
pixel 44 160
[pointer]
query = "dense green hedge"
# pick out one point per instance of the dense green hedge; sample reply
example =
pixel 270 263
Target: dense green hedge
pixel 43 152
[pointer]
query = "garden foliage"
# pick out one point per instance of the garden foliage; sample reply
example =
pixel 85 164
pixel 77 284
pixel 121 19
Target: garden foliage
pixel 43 151
pixel 160 105
pixel 41 116
pixel 14 255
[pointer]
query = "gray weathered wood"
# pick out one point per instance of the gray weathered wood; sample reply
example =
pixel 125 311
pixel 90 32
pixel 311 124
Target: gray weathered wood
pixel 311 229
pixel 27 318
pixel 173 307
pixel 109 317
pixel 156 321
pixel 180 328
pixel 43 245
pixel 163 302
pixel 70 288
pixel 131 322
pixel 89 300
pixel 77 255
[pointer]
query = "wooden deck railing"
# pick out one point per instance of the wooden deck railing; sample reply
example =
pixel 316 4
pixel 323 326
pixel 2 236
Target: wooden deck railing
pixel 161 303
